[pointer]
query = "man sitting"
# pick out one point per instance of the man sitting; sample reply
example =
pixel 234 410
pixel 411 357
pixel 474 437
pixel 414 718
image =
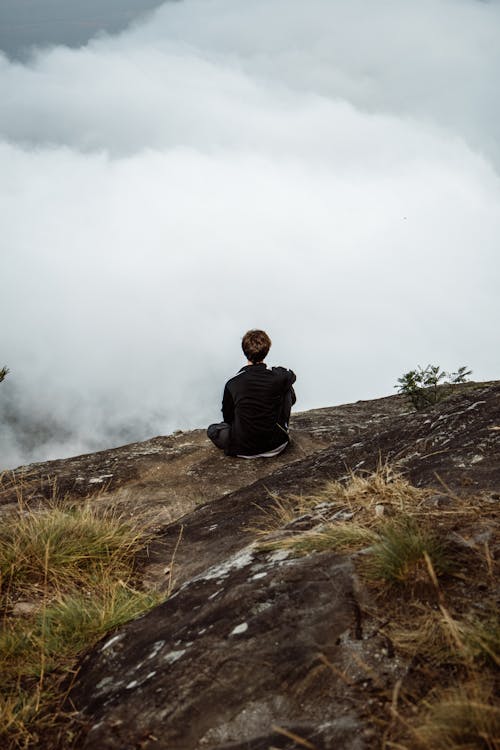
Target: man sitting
pixel 256 405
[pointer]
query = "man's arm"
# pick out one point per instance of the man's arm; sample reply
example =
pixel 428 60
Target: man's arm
pixel 289 379
pixel 227 406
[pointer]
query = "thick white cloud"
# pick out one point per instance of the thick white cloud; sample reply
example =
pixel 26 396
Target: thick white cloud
pixel 326 170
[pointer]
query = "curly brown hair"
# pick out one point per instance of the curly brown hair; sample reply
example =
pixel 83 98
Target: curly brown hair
pixel 255 345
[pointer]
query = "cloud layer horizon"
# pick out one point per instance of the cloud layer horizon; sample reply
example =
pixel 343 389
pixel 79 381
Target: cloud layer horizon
pixel 327 172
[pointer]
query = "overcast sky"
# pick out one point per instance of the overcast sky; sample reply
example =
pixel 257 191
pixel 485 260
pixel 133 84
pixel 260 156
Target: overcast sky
pixel 326 170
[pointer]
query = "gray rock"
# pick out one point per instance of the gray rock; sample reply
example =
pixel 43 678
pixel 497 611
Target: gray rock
pixel 223 659
pixel 255 648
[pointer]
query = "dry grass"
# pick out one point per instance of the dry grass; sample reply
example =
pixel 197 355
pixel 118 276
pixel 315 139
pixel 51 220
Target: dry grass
pixel 435 638
pixel 396 551
pixel 59 632
pixel 74 566
pixel 362 492
pixel 404 538
pixel 368 497
pixel 22 723
pixel 445 626
pixel 343 537
pixel 451 641
pixel 466 717
pixel 58 546
pixel 282 512
pixel 422 633
pixel 481 637
pixel 457 660
pixel 365 496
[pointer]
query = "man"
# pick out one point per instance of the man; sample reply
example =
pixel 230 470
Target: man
pixel 256 405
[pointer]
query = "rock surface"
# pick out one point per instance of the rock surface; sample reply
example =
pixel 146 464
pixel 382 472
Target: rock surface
pixel 258 649
pixel 224 658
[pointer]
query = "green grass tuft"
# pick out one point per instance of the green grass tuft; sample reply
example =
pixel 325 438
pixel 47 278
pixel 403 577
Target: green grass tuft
pixel 70 624
pixel 58 633
pixel 399 556
pixel 74 567
pixel 59 546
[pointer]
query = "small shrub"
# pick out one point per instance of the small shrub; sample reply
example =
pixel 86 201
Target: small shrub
pixel 422 385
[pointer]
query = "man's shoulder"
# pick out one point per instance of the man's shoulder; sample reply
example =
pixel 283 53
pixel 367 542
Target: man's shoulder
pixel 285 373
pixel 236 378
pixel 282 373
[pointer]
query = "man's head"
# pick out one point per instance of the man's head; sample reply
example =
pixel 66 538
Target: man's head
pixel 255 345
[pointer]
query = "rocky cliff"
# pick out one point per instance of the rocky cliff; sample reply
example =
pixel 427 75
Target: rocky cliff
pixel 261 646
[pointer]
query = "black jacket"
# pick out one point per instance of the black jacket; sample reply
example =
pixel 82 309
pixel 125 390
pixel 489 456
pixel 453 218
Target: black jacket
pixel 256 403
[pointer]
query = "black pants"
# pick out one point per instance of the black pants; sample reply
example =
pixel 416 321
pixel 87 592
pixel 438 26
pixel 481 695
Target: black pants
pixel 220 432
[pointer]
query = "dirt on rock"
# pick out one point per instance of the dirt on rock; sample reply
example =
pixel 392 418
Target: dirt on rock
pixel 164 477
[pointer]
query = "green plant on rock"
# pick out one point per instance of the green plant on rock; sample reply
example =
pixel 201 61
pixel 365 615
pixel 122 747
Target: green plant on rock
pixel 404 551
pixel 424 385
